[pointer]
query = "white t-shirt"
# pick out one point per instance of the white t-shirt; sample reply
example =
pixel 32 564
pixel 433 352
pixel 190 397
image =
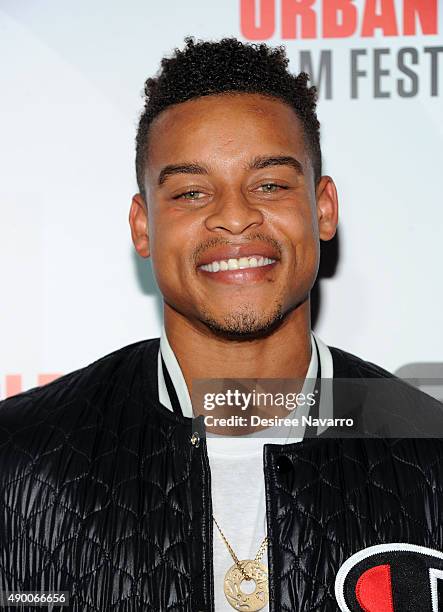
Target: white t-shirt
pixel 237 479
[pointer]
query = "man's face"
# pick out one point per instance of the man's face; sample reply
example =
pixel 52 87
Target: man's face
pixel 233 214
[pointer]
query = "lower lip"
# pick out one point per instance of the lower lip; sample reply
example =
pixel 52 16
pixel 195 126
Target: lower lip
pixel 240 277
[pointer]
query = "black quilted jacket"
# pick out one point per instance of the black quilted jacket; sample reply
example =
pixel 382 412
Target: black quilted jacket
pixel 104 495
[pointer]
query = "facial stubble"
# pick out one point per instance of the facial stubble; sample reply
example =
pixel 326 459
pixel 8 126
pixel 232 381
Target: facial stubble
pixel 244 323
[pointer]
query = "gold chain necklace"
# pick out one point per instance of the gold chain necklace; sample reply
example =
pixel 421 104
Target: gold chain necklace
pixel 248 569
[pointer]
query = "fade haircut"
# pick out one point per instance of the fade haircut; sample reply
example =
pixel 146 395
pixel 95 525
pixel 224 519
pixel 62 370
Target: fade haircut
pixel 207 68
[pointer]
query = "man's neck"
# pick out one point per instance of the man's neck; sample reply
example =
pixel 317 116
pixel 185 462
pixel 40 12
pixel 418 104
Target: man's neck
pixel 285 353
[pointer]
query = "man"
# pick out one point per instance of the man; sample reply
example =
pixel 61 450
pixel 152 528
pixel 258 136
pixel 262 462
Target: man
pixel 110 489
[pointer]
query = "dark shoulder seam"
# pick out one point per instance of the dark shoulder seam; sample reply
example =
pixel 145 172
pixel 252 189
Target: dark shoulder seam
pixel 347 365
pixel 122 352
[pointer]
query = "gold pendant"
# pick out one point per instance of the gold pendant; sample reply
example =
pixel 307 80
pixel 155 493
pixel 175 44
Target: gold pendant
pixel 247 602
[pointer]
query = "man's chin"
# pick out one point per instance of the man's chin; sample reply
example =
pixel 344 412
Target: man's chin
pixel 244 325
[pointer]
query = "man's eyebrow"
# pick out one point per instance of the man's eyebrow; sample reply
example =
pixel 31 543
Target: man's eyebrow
pixel 172 169
pixel 257 164
pixel 280 160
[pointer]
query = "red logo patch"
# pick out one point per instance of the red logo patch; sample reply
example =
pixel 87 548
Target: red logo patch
pixel 391 578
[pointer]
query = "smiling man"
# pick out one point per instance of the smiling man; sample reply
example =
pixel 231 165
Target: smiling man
pixel 230 212
pixel 112 490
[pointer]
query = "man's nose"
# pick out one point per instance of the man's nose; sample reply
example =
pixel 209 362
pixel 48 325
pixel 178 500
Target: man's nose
pixel 233 213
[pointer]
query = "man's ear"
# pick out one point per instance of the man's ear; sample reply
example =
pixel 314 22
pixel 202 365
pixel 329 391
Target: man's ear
pixel 327 208
pixel 138 220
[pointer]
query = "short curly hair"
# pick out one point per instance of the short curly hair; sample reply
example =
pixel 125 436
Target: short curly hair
pixel 207 68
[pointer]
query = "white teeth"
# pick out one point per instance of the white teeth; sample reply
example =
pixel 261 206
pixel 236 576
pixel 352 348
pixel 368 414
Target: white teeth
pixel 241 263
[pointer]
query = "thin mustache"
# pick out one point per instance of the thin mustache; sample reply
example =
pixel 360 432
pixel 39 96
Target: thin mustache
pixel 214 242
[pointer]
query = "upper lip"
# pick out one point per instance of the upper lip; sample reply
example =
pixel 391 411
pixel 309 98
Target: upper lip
pixel 234 252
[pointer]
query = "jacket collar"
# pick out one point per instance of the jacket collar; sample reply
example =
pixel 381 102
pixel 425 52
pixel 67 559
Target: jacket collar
pixel 174 370
pixel 343 365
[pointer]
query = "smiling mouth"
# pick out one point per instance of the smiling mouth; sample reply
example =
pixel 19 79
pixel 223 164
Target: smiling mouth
pixel 239 263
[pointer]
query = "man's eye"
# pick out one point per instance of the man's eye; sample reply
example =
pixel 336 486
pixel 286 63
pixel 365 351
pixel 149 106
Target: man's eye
pixel 271 187
pixel 189 195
